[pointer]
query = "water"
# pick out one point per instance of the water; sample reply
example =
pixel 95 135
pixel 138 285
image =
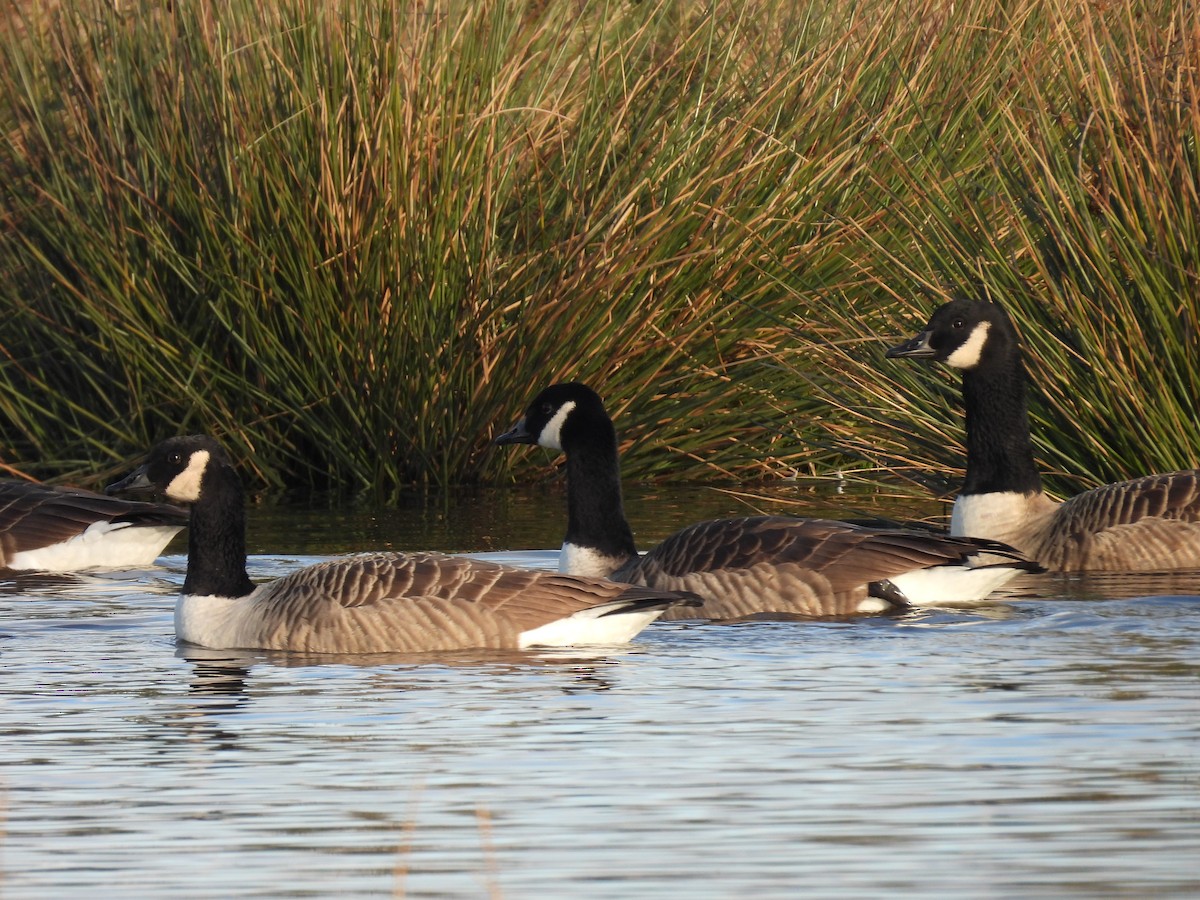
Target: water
pixel 1044 746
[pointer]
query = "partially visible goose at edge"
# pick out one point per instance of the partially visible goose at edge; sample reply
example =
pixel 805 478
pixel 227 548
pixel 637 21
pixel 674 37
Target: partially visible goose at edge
pixel 1144 525
pixel 760 566
pixel 53 529
pixel 370 603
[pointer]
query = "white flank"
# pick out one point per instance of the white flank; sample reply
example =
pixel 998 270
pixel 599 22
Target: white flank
pixel 586 561
pixel 102 545
pixel 590 626
pixel 185 487
pixel 952 585
pixel 967 356
pixel 874 605
pixel 996 516
pixel 551 436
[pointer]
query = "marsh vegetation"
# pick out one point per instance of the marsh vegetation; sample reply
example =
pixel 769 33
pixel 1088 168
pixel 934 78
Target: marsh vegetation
pixel 353 238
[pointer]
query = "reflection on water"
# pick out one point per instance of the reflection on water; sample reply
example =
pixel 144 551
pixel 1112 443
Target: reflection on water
pixel 1045 745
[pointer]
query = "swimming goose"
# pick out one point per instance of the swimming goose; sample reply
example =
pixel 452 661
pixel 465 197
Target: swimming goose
pixel 754 566
pixel 1148 524
pixel 370 603
pixel 53 529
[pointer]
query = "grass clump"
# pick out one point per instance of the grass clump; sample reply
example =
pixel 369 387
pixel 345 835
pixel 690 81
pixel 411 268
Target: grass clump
pixel 354 239
pixel 351 238
pixel 1069 191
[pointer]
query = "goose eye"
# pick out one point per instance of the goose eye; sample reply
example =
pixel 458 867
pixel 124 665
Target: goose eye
pixel 547 408
pixel 174 459
pixel 958 323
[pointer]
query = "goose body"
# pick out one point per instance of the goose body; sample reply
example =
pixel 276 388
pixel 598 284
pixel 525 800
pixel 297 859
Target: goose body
pixel 369 603
pixel 771 566
pixel 52 529
pixel 1146 524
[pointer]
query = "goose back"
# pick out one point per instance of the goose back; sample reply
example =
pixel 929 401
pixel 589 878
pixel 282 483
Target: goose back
pixel 408 603
pixel 1146 524
pixel 784 566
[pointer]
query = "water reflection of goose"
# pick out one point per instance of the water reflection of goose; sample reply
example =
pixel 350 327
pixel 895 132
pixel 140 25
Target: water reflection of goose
pixel 229 673
pixel 370 603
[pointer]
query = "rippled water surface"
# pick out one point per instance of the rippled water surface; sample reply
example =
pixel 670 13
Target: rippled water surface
pixel 1048 745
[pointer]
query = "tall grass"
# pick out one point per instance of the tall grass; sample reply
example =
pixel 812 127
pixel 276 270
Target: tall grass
pixel 354 238
pixel 1070 192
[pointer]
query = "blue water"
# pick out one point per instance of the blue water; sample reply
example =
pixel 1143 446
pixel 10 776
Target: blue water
pixel 1048 745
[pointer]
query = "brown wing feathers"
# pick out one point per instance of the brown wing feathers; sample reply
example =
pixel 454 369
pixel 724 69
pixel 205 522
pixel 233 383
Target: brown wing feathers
pixel 33 515
pixel 780 565
pixel 1170 496
pixel 1147 523
pixel 422 602
pixel 842 551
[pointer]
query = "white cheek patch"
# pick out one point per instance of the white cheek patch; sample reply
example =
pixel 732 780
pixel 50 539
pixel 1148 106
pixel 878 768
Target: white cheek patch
pixel 185 487
pixel 551 435
pixel 967 356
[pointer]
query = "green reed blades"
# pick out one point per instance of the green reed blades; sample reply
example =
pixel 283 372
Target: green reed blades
pixel 354 238
pixel 1075 205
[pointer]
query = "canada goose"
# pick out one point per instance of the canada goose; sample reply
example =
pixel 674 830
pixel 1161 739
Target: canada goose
pixel 370 603
pixel 756 566
pixel 1148 524
pixel 52 529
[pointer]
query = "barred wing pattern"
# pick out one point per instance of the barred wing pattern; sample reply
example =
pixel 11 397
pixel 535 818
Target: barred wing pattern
pixel 421 602
pixel 782 566
pixel 1145 524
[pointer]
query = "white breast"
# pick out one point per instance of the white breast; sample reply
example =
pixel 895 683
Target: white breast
pixel 586 561
pixel 999 516
pixel 216 622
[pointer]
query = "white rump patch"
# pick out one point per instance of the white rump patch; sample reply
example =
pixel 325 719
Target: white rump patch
pixel 589 562
pixel 967 356
pixel 102 545
pixel 185 487
pixel 960 585
pixel 551 435
pixel 591 626
pixel 875 605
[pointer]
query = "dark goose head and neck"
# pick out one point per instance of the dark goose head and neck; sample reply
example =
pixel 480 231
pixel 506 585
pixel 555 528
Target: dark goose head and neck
pixel 196 470
pixel 571 418
pixel 978 338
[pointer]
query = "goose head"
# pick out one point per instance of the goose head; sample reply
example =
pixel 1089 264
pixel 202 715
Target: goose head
pixel 175 467
pixel 565 417
pixel 962 334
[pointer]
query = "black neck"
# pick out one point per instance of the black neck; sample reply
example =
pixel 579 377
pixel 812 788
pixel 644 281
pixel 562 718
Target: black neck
pixel 595 513
pixel 217 538
pixel 999 448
